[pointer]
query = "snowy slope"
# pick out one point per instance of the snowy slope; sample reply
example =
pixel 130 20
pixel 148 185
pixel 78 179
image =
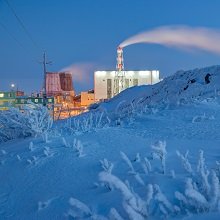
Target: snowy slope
pixel 183 85
pixel 50 178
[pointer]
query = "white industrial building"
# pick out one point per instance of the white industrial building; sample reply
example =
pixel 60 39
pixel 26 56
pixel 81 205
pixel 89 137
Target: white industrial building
pixel 104 81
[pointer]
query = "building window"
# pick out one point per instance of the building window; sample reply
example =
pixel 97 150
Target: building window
pixel 126 83
pixel 109 88
pixel 116 87
pixel 135 82
pixel 1 95
pixel 36 100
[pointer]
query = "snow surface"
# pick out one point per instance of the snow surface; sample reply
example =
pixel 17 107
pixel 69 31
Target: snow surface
pixel 102 164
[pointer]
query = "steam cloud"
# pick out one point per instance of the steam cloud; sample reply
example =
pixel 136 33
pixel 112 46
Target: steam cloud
pixel 182 37
pixel 81 73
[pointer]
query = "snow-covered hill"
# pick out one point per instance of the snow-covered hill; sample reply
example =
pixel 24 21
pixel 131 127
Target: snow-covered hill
pixel 152 152
pixel 183 86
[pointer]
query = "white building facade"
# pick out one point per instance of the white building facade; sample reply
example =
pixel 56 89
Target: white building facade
pixel 104 81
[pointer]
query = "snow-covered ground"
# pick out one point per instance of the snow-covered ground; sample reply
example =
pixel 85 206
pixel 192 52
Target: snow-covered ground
pixel 152 152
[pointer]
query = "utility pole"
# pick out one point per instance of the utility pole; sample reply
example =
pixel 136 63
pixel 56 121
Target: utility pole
pixel 45 63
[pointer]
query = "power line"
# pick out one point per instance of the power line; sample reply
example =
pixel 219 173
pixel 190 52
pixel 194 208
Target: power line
pixel 12 36
pixel 17 41
pixel 21 24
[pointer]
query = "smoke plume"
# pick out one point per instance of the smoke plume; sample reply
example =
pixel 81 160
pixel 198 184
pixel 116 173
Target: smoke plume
pixel 182 37
pixel 82 74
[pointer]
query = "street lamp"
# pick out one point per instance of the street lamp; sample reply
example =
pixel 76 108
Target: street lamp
pixel 12 86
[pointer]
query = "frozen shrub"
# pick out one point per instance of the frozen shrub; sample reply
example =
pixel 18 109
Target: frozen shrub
pixel 203 174
pixel 18 157
pixel 146 165
pixel 214 192
pixel 106 165
pixel 132 203
pixel 185 162
pixel 196 200
pixel 182 199
pixel 127 161
pixel 45 137
pixel 159 151
pixel 217 169
pixel 114 215
pixel 35 120
pixel 132 214
pixel 88 122
pixel 165 206
pixel 79 209
pixel 202 192
pixel 137 158
pixel 64 142
pixel 132 170
pixel 78 146
pixel 149 198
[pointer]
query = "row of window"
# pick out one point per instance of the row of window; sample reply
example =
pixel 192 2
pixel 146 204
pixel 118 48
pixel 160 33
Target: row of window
pixel 23 101
pixel 109 86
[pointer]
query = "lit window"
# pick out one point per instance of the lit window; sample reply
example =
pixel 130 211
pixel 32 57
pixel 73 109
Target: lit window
pixel 49 100
pixel 1 95
pixel 36 100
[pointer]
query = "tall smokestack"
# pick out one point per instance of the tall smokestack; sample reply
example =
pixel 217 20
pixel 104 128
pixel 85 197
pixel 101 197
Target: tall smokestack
pixel 119 79
pixel 120 60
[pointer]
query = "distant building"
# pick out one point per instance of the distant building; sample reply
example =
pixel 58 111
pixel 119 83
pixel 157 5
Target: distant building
pixel 87 98
pixel 7 99
pixel 104 81
pixel 59 84
pixel 18 100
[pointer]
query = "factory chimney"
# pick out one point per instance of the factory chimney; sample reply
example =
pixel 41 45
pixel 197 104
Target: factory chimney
pixel 120 59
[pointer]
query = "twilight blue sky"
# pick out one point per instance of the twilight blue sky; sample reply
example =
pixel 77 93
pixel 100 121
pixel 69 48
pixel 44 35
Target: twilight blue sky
pixel 86 33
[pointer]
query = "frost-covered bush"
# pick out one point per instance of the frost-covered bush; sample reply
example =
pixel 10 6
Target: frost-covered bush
pixel 159 151
pixel 198 192
pixel 135 207
pixel 164 205
pixel 203 175
pixel 146 165
pixel 79 210
pixel 107 166
pixel 185 162
pixel 202 191
pixel 132 170
pixel 34 121
pixel 78 146
pixel 87 122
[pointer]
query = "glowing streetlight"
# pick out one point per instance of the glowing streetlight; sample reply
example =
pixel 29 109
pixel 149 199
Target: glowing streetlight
pixel 12 86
